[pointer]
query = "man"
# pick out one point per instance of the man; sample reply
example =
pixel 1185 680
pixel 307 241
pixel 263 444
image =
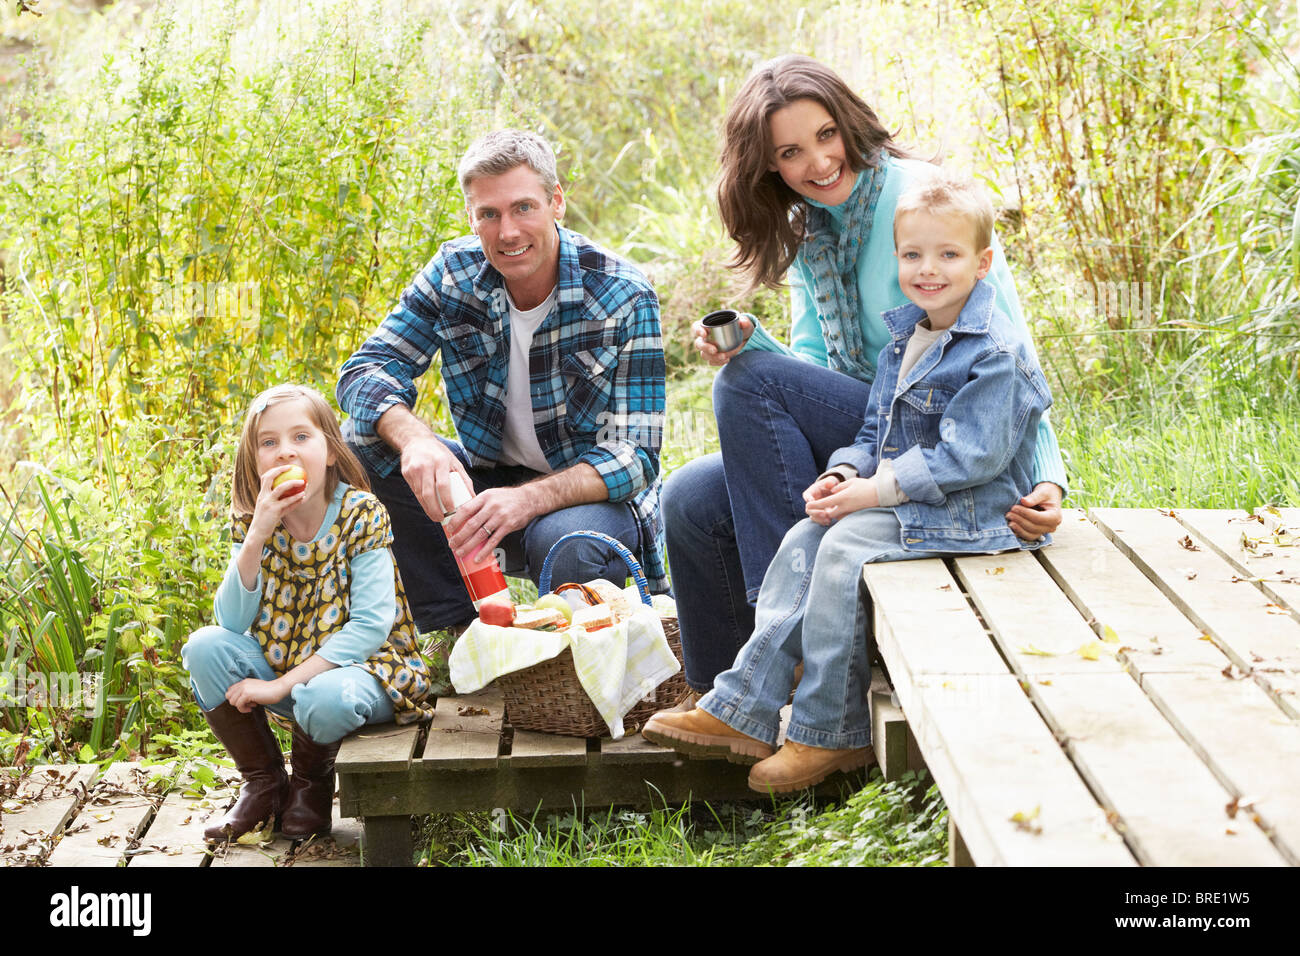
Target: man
pixel 553 362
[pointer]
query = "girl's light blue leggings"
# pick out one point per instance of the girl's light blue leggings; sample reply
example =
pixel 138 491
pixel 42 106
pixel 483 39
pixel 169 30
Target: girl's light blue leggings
pixel 328 707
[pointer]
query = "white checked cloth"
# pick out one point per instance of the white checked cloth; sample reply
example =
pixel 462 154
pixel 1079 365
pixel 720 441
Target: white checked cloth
pixel 617 666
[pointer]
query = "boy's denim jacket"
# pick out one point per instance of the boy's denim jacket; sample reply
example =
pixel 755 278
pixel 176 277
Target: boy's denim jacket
pixel 960 427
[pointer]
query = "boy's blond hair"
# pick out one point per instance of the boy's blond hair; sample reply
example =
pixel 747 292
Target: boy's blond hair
pixel 248 482
pixel 941 192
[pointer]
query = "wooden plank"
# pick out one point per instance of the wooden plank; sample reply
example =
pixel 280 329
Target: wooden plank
pixel 378 749
pixel 36 813
pixel 943 636
pixel 531 749
pixel 633 749
pixel 275 853
pixel 985 745
pixel 1167 803
pixel 1271 561
pixel 175 835
pixel 466 731
pixel 341 848
pixel 1045 636
pixel 1248 744
pixel 1009 787
pixel 386 841
pixel 1257 637
pixel 1111 592
pixel 115 813
pixel 888 728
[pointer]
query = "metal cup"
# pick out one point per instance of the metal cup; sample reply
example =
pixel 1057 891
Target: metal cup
pixel 723 329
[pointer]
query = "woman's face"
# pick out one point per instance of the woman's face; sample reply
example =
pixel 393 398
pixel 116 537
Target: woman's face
pixel 808 152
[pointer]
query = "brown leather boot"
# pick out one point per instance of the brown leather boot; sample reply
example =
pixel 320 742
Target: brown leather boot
pixel 251 744
pixel 311 789
pixel 700 733
pixel 796 766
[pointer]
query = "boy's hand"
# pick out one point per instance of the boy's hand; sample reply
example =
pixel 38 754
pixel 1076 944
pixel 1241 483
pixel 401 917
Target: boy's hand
pixel 1038 513
pixel 821 488
pixel 849 496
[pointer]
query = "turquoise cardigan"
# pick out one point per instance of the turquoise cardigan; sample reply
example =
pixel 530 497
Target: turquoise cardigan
pixel 878 292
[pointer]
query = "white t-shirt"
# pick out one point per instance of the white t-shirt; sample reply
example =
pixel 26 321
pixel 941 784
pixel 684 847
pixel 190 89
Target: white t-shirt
pixel 519 445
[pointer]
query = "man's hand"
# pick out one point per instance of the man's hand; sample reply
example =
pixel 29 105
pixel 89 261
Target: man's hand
pixel 427 466
pixel 1038 513
pixel 845 498
pixel 480 525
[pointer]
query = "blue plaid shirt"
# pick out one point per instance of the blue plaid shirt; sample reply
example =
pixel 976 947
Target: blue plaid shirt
pixel 596 371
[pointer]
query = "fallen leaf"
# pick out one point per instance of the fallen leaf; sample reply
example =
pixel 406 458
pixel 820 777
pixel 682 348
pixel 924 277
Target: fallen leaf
pixel 1233 672
pixel 995 570
pixel 1045 683
pixel 1037 651
pixel 472 712
pixel 945 587
pixel 1189 573
pixel 1027 821
pixel 1239 803
pixel 1108 635
pixel 258 836
pixel 1230 832
pixel 1089 651
pixel 1206 637
pixel 1187 543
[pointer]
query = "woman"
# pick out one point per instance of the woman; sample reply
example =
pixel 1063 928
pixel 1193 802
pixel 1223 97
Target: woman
pixel 807 189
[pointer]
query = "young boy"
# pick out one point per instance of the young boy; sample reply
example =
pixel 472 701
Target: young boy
pixel 946 448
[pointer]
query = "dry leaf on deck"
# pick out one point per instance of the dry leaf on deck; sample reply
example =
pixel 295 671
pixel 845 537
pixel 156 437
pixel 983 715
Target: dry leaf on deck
pixel 1108 635
pixel 1186 542
pixel 1089 651
pixel 995 570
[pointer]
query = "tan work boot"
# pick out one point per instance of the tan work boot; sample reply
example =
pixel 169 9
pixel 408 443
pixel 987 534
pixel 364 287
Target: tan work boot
pixel 796 766
pixel 699 733
pixel 686 704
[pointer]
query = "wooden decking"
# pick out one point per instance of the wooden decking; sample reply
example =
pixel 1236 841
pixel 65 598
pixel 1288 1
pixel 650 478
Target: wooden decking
pixel 1126 696
pixel 137 816
pixel 469 758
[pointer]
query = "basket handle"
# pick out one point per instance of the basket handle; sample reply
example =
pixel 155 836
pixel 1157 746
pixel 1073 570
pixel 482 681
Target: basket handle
pixel 544 579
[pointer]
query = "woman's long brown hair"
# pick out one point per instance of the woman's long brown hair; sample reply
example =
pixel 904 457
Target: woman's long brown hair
pixel 762 214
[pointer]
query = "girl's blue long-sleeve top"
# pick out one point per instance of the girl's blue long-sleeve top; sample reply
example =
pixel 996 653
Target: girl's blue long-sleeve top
pixel 372 602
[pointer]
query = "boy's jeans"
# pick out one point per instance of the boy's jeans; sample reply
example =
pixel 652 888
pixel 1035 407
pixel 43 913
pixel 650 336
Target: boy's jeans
pixel 725 515
pixel 809 609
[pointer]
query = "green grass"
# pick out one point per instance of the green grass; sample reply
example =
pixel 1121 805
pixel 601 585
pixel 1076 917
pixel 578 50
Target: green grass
pixel 902 823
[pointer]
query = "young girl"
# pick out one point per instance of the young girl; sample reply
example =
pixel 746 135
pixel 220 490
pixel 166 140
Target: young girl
pixel 312 621
pixel 808 184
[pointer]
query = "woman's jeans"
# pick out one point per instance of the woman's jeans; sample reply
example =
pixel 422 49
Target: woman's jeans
pixel 779 420
pixel 809 609
pixel 433 584
pixel 328 707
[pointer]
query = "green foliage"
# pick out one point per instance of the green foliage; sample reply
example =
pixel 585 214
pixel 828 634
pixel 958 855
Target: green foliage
pixel 883 824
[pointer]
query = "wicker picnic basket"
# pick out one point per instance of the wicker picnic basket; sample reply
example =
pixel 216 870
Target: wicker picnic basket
pixel 547 697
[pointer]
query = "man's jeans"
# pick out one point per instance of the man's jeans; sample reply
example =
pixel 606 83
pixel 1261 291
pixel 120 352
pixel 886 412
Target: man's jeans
pixel 779 420
pixel 433 584
pixel 809 609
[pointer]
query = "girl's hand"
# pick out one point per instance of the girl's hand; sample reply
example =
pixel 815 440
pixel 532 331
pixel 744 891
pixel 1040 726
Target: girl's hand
pixel 710 351
pixel 274 503
pixel 1038 513
pixel 849 496
pixel 250 692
